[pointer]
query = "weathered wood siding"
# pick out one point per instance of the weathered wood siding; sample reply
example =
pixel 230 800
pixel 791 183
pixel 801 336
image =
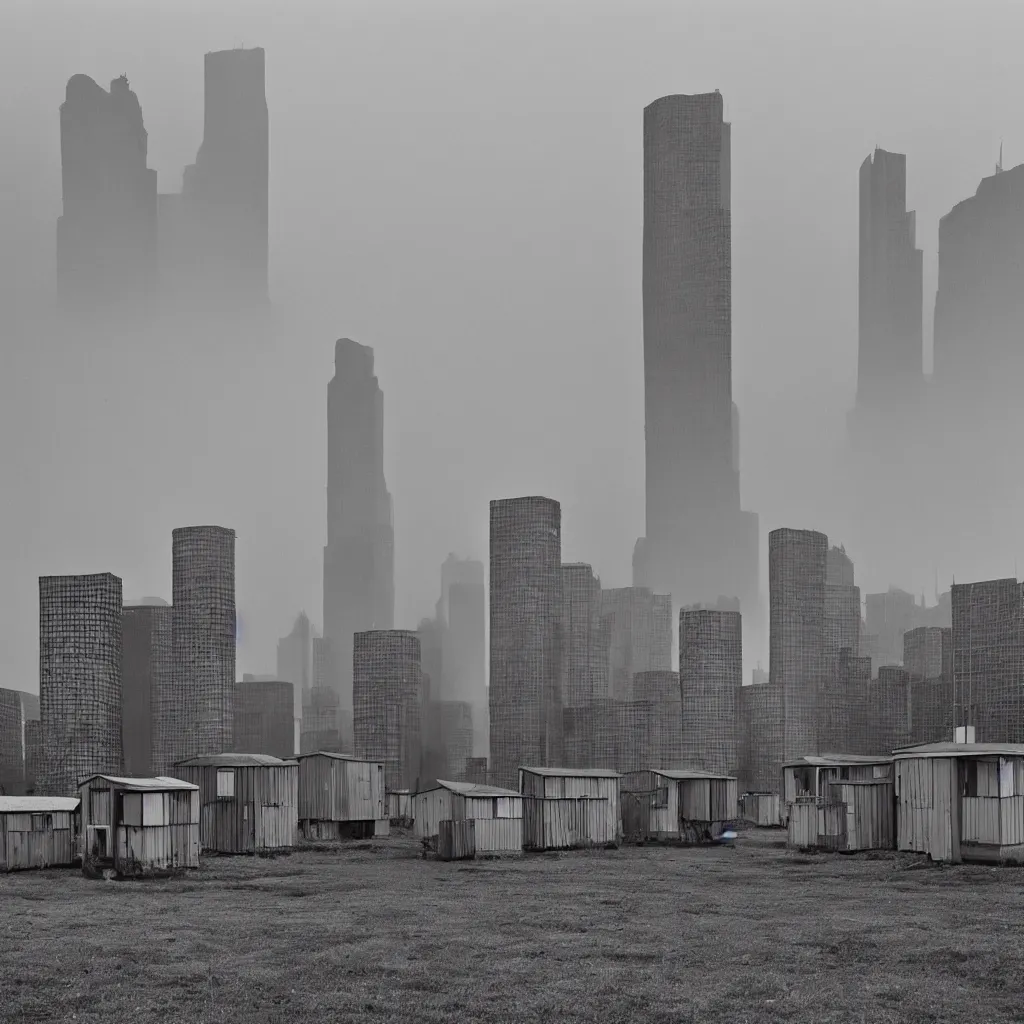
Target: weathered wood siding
pixel 803 824
pixel 762 809
pixel 928 807
pixel 400 806
pixel 870 814
pixel 814 824
pixel 331 789
pixel 563 823
pixel 431 808
pixel 158 832
pixel 499 835
pixel 37 840
pixel 263 814
pixel 649 805
pixel 456 840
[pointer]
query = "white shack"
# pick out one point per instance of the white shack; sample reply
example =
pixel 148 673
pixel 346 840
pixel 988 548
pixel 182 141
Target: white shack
pixel 496 813
pixel 37 831
pixel 139 826
pixel 341 797
pixel 566 808
pixel 669 804
pixel 961 801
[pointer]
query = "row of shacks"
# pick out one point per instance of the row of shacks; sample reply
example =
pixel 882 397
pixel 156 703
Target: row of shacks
pixel 226 804
pixel 956 802
pixel 255 803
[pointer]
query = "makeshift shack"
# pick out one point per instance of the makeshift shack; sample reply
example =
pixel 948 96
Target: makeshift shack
pixel 400 807
pixel 961 801
pixel 249 803
pixel 762 809
pixel 495 818
pixel 341 797
pixel 566 808
pixel 667 804
pixel 37 832
pixel 139 827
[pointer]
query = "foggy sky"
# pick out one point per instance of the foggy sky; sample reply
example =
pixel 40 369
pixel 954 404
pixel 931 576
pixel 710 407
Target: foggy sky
pixel 460 187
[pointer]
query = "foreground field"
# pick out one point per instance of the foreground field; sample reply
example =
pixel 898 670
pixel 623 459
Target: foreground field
pixel 371 932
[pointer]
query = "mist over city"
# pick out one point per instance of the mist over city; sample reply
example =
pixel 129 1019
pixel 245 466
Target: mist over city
pixel 465 431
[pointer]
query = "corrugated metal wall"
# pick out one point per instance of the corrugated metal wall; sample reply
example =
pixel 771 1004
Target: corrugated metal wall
pixel 334 790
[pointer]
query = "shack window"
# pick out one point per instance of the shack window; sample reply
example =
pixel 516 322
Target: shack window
pixel 802 779
pixel 131 809
pixel 879 771
pixel 42 822
pixel 844 773
pixel 226 783
pixel 660 797
pixel 970 778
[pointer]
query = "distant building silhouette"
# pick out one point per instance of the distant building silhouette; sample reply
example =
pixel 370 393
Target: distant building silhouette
pixel 525 640
pixel 264 718
pixel 639 638
pixel 107 233
pixel 295 665
pixel 585 643
pixel 359 580
pixel 146 676
pixel 842 609
pixel 699 544
pixel 214 235
pixel 79 679
pixel 19 713
pixel 196 717
pixel 710 679
pixel 890 341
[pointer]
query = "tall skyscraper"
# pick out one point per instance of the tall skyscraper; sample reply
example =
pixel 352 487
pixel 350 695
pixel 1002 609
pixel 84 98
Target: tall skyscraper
pixel 890 341
pixel 79 679
pixel 197 716
pixel 710 679
pixel 107 233
pixel 214 235
pixel 526 611
pixel 699 544
pixel 582 637
pixel 359 559
pixel 146 677
pixel 295 664
pixel 797 569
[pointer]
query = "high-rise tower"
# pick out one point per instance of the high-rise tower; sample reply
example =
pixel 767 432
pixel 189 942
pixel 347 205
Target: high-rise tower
pixel 889 351
pixel 359 560
pixel 699 544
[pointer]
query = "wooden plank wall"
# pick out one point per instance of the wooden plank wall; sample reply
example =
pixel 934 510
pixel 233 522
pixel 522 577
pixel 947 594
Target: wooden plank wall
pixel 23 847
pixel 334 790
pixel 499 835
pixel 456 840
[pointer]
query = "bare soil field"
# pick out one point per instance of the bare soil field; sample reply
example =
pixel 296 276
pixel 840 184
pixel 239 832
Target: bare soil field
pixel 660 935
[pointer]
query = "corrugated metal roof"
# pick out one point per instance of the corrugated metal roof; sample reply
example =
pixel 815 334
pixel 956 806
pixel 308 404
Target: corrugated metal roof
pixel 837 760
pixel 37 804
pixel 233 761
pixel 338 757
pixel 574 773
pixel 681 774
pixel 160 783
pixel 961 750
pixel 475 789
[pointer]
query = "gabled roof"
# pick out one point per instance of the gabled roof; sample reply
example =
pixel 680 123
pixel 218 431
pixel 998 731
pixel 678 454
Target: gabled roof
pixel 573 773
pixel 474 789
pixel 159 784
pixel 37 804
pixel 338 757
pixel 233 761
pixel 961 750
pixel 837 760
pixel 684 774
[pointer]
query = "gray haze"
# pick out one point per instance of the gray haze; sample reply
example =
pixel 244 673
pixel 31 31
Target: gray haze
pixel 459 186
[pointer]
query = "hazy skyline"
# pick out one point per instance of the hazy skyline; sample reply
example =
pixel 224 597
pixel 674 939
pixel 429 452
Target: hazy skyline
pixel 460 187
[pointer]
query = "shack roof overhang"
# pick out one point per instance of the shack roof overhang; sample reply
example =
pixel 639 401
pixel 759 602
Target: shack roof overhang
pixel 470 789
pixel 683 775
pixel 159 784
pixel 573 773
pixel 37 804
pixel 960 750
pixel 235 761
pixel 838 760
pixel 338 757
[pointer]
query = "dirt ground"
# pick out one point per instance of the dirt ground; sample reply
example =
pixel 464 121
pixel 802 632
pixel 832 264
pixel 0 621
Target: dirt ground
pixel 374 933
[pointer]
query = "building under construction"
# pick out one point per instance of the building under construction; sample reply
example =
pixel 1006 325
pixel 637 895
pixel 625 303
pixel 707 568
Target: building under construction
pixel 146 676
pixel 195 714
pixel 79 679
pixel 710 678
pixel 387 695
pixel 526 658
